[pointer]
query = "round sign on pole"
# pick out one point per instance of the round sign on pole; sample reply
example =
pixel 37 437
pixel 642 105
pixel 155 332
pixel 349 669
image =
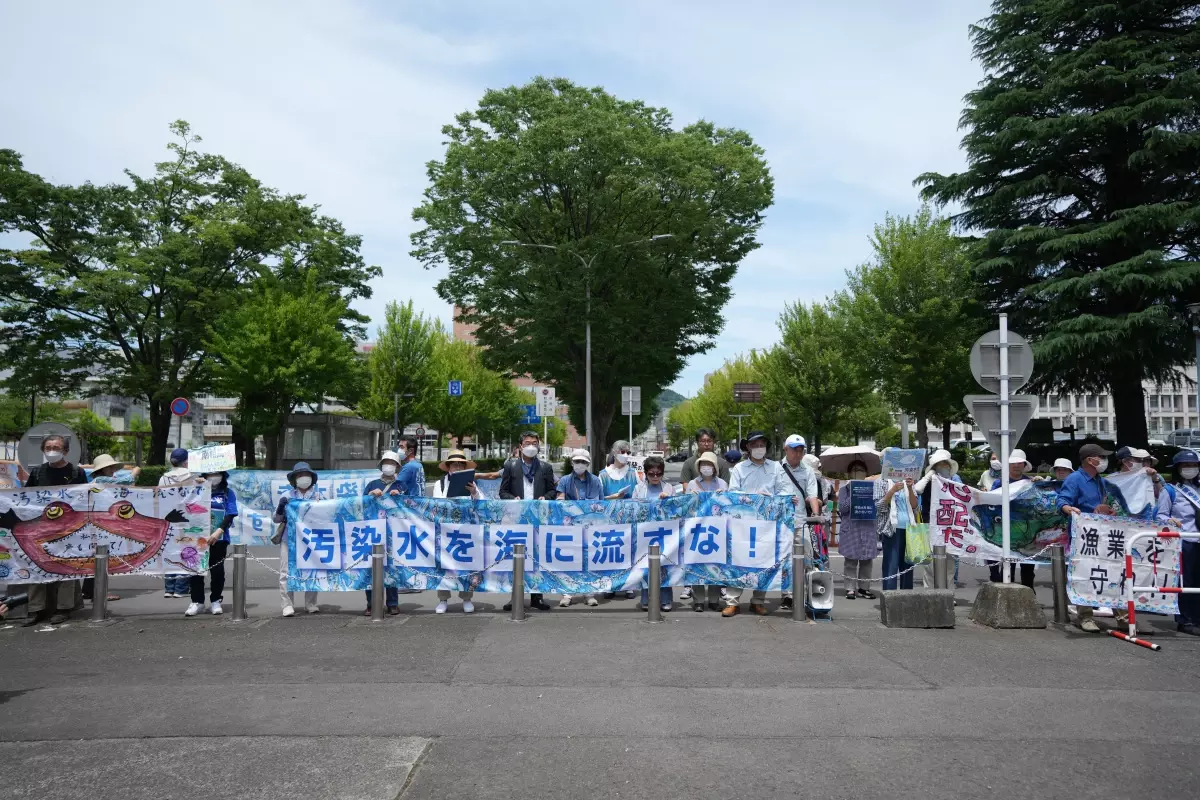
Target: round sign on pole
pixel 180 406
pixel 420 432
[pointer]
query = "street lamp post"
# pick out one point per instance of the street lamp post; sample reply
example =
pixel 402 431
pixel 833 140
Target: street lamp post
pixel 1194 309
pixel 587 357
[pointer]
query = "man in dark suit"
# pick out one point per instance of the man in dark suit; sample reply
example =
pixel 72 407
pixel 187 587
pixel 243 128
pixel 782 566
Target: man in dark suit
pixel 528 478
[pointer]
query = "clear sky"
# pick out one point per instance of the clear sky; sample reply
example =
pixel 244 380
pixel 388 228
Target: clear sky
pixel 344 102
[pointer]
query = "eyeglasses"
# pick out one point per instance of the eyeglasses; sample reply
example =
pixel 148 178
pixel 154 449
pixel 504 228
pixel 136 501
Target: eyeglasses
pixel 657 474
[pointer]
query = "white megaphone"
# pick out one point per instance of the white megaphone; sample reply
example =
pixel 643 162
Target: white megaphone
pixel 819 590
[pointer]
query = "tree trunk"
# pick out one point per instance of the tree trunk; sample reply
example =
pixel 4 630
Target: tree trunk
pixel 602 419
pixel 272 442
pixel 1129 411
pixel 946 434
pixel 160 431
pixel 922 430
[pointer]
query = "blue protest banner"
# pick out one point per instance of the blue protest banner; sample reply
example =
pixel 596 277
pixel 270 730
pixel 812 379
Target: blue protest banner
pixel 862 500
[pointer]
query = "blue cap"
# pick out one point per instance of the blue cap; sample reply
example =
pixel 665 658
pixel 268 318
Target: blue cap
pixel 178 456
pixel 1186 457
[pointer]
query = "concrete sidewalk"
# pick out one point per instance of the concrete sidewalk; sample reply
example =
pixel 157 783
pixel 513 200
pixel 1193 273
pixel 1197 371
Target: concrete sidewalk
pixel 584 703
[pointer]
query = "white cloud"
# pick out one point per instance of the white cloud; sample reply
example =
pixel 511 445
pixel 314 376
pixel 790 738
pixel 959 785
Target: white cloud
pixel 344 102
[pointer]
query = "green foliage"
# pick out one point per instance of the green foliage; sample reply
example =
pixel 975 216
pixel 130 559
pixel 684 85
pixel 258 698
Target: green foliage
pixel 888 436
pixel 1083 145
pixel 590 178
pixel 810 377
pixel 282 346
pixel 913 318
pixel 400 364
pixel 489 402
pixel 136 274
pixel 713 405
pixel 14 413
pixel 150 474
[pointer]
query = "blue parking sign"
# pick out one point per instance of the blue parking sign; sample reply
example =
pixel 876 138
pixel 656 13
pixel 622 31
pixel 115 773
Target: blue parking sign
pixel 531 417
pixel 456 388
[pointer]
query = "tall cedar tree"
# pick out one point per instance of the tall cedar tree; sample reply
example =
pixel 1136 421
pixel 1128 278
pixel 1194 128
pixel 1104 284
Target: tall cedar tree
pixel 1083 151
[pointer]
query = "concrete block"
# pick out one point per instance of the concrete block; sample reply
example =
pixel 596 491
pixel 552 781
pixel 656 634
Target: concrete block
pixel 917 608
pixel 1008 605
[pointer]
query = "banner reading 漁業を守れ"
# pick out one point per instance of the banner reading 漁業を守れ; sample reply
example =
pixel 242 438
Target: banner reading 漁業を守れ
pixel 50 534
pixel 726 538
pixel 1096 564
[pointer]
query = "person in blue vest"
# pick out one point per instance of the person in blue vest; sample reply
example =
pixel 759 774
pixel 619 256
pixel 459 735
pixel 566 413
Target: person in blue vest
pixel 579 485
pixel 223 508
pixel 1184 494
pixel 1085 491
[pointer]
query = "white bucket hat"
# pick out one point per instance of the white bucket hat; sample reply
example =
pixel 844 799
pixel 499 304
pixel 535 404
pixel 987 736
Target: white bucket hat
pixel 1063 463
pixel 1017 456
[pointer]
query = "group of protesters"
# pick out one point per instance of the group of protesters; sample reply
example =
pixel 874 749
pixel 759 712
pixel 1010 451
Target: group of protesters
pixel 527 476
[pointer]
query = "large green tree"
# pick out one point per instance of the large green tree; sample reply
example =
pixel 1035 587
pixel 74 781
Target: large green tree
pixel 400 364
pixel 144 269
pixel 913 316
pixel 489 402
pixel 282 346
pixel 591 177
pixel 1083 151
pixel 810 377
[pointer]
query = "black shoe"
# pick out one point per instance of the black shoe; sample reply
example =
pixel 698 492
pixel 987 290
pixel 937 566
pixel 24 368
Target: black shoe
pixel 867 593
pixel 536 601
pixel 1188 628
pixel 698 608
pixel 788 604
pixel 508 606
pixel 36 618
pixel 714 606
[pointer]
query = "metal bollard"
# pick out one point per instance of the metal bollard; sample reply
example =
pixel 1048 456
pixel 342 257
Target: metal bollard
pixel 798 574
pixel 518 587
pixel 239 582
pixel 378 598
pixel 654 590
pixel 1058 574
pixel 100 587
pixel 941 567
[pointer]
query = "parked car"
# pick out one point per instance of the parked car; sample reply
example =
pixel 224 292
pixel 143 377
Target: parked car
pixel 1184 437
pixel 679 457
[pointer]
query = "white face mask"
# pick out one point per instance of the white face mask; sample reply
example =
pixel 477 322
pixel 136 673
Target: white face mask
pixel 303 482
pixel 214 480
pixel 1132 464
pixel 621 458
pixel 579 468
pixel 707 471
pixel 388 470
pixel 995 466
pixel 943 470
pixel 53 456
pixel 758 453
pixel 1102 466
pixel 1189 473
pixel 529 451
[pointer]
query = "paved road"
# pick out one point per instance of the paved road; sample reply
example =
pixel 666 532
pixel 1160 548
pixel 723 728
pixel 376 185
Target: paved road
pixel 584 703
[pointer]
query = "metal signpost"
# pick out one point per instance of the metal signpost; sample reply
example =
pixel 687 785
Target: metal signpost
pixel 631 404
pixel 1002 361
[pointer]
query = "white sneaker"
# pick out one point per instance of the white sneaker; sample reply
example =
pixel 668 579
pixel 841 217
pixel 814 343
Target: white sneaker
pixel 468 607
pixel 441 607
pixel 565 602
pixel 289 611
pixel 592 601
pixel 193 610
pixel 686 594
pixel 168 594
pixel 1089 625
pixel 216 607
pixel 313 608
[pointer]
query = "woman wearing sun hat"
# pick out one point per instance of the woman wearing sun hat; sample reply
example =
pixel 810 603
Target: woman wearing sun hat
pixel 303 480
pixel 945 467
pixel 456 461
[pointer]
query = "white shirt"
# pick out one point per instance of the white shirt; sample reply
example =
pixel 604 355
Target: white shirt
pixel 766 478
pixel 804 476
pixel 529 490
pixel 642 491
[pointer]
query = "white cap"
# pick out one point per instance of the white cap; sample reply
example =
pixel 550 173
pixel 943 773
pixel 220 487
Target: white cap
pixel 1063 463
pixel 1144 455
pixel 795 440
pixel 581 455
pixel 1017 457
pixel 390 455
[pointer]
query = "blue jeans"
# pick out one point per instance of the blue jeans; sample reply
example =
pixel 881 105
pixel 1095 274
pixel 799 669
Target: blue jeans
pixel 390 598
pixel 894 561
pixel 177 584
pixel 1189 573
pixel 667 597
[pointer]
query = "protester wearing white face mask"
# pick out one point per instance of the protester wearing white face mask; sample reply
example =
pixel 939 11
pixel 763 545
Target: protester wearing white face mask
pixel 1086 491
pixel 946 468
pixel 580 485
pixel 617 479
pixel 992 473
pixel 222 509
pixel 763 476
pixel 304 487
pixel 1185 506
pixel 709 480
pixel 387 484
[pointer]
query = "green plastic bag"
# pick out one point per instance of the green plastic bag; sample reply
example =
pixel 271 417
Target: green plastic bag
pixel 916 542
